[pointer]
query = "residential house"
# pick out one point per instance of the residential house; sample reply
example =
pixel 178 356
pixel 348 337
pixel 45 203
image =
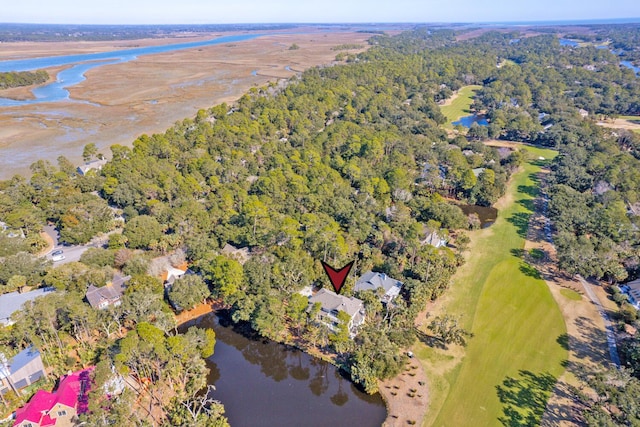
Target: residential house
pixel 633 290
pixel 109 295
pixel 13 301
pixel 331 304
pixel 22 370
pixel 433 238
pixel 89 166
pixel 172 273
pixel 477 171
pixel 372 281
pixel 583 113
pixel 58 408
pixel 239 254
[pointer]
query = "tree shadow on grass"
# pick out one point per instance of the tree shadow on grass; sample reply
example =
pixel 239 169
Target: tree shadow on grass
pixel 529 270
pixel 518 253
pixel 521 222
pixel 429 340
pixel 524 398
pixel 531 190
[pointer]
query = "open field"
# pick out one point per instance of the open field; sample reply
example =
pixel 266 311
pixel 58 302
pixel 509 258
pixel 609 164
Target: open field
pixel 149 94
pixel 509 368
pixel 458 105
pixel 631 123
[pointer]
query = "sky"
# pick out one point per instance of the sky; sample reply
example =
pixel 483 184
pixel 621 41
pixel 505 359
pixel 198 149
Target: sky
pixel 305 11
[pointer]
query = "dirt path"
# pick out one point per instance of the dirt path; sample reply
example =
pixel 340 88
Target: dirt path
pixel 585 339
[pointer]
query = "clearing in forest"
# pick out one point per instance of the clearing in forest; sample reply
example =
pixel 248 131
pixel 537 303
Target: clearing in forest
pixel 459 104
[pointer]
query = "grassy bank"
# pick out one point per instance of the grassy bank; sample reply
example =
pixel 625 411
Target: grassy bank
pixel 507 372
pixel 459 105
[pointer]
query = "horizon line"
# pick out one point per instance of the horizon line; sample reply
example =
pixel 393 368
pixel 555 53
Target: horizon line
pixel 557 21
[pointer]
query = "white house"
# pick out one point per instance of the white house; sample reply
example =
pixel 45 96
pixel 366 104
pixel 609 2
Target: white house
pixel 89 166
pixel 331 304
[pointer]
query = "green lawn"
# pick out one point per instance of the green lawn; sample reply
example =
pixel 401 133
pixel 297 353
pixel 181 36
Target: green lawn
pixel 509 367
pixel 460 106
pixel 571 294
pixel 630 118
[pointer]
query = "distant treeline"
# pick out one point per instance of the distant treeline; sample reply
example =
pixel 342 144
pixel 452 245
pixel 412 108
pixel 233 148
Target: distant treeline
pixel 22 78
pixel 347 46
pixel 50 32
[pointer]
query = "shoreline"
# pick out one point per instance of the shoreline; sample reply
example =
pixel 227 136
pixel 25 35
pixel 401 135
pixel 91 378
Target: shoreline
pixel 150 94
pixel 398 412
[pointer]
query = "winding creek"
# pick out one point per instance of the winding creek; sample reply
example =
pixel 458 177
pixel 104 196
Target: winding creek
pixel 57 91
pixel 262 383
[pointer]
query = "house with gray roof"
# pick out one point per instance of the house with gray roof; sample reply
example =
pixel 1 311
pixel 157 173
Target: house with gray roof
pixel 22 370
pixel 110 294
pixel 89 166
pixel 433 238
pixel 632 289
pixel 13 301
pixel 331 304
pixel 372 281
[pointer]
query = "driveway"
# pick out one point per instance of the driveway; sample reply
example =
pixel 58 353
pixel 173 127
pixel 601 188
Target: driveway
pixel 72 253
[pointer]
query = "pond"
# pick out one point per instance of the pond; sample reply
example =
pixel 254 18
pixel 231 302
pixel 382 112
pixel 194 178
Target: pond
pixel 262 383
pixel 630 65
pixel 567 42
pixel 467 121
pixel 487 214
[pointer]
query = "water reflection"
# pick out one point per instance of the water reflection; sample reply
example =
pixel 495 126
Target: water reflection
pixel 262 383
pixel 486 214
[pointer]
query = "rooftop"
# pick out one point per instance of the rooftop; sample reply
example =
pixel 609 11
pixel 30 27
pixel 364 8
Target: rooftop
pixel 110 292
pixel 21 359
pixel 13 301
pixel 373 280
pixel 331 301
pixel 72 392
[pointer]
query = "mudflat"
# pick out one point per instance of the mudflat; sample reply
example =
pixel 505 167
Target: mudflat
pixel 117 103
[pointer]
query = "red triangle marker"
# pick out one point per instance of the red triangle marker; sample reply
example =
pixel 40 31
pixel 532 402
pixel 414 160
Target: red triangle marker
pixel 337 277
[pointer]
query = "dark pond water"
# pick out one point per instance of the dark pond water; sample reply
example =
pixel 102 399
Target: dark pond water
pixel 262 383
pixel 487 214
pixel 467 121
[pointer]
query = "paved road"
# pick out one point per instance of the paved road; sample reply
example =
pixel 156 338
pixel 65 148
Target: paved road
pixel 611 336
pixel 71 253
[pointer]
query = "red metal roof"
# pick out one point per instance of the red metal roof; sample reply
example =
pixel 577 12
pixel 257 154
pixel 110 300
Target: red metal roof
pixel 72 392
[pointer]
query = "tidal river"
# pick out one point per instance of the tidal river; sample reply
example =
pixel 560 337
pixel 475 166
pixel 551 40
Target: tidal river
pixel 262 383
pixel 81 63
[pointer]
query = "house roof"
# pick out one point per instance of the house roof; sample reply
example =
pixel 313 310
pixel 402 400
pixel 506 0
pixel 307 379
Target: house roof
pixel 72 392
pixel 477 171
pixel 96 164
pixel 240 254
pixel 173 273
pixel 110 292
pixel 373 280
pixel 21 360
pixel 634 285
pixel 331 301
pixel 13 301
